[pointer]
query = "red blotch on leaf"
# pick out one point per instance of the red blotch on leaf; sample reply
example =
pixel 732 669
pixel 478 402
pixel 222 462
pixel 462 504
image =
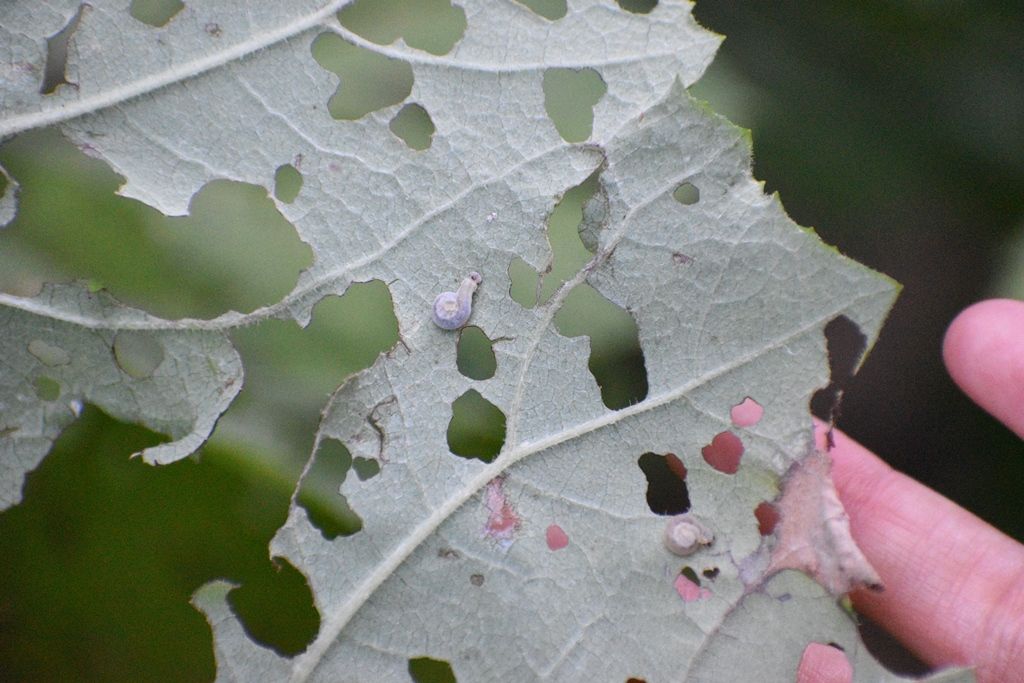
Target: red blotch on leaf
pixel 724 452
pixel 557 538
pixel 767 517
pixel 746 413
pixel 502 519
pixel 689 591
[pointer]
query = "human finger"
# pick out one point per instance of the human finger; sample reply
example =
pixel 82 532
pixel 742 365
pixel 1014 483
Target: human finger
pixel 954 585
pixel 824 664
pixel 984 353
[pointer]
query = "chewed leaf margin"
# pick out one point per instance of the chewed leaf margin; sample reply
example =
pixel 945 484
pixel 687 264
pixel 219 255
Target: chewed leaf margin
pixel 91 349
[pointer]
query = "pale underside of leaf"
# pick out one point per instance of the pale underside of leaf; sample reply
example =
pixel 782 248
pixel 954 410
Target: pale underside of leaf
pixel 741 315
pixel 569 460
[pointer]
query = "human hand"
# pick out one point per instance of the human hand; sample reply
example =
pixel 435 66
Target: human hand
pixel 954 586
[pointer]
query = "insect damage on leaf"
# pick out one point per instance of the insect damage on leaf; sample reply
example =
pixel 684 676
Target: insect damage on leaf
pixel 813 531
pixel 716 292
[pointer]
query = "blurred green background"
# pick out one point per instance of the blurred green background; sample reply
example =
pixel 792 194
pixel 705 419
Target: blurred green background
pixel 896 129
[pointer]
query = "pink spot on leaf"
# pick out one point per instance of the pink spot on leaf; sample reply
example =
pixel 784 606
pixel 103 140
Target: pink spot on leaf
pixel 502 520
pixel 724 452
pixel 557 538
pixel 747 413
pixel 689 591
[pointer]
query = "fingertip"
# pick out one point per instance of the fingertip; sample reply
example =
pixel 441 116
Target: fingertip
pixel 962 337
pixel 984 352
pixel 824 664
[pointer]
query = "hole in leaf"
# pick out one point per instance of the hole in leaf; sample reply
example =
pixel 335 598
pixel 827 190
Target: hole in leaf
pixel 616 359
pixel 689 573
pixel 369 81
pixel 846 345
pixel 724 452
pixel 47 388
pixel 48 354
pixel 569 99
pixel 412 123
pixel 155 12
pixel 891 653
pixel 524 282
pixel 291 369
pixel 287 183
pixel 366 468
pixel 767 516
pixel 55 73
pixel 139 354
pixel 328 510
pixel 551 10
pixel 362 321
pixel 476 579
pixel 638 6
pixel 666 483
pixel 576 216
pixel 746 413
pixel 556 537
pixel 427 670
pixel 430 25
pixel 475 354
pixel 565 235
pixel 241 251
pixel 258 603
pixel 477 427
pixel 686 194
pixel 711 573
pixel 821 662
pixel 235 251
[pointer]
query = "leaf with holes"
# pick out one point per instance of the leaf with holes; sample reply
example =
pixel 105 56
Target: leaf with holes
pixel 537 554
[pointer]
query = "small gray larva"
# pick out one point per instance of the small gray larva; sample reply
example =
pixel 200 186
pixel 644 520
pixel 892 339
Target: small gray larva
pixel 684 535
pixel 452 309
